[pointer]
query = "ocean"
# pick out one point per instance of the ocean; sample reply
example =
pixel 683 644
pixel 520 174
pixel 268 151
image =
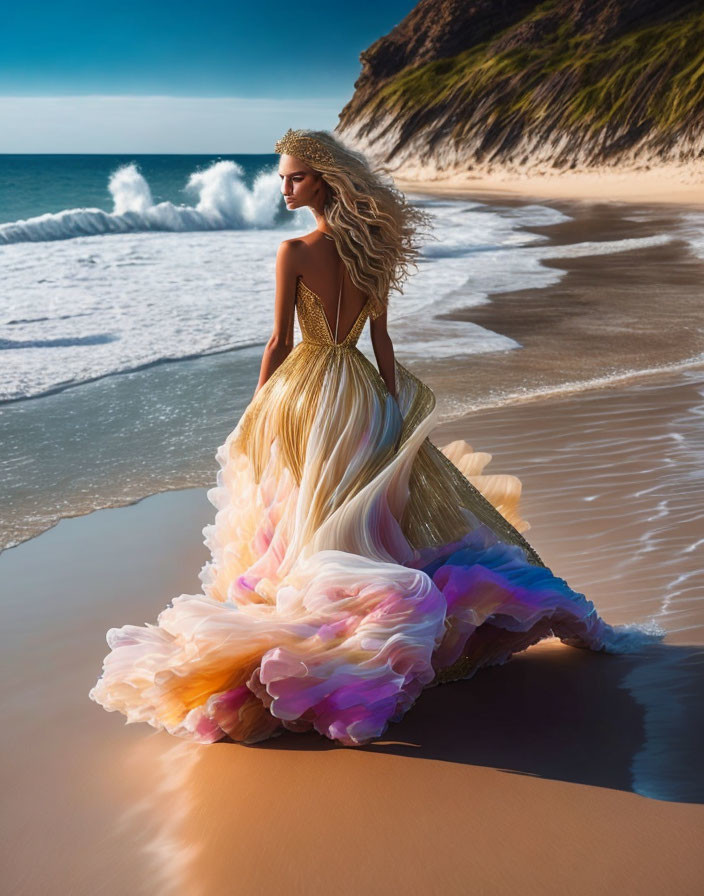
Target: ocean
pixel 137 296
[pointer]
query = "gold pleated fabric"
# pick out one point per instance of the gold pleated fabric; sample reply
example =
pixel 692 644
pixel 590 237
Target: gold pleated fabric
pixel 338 385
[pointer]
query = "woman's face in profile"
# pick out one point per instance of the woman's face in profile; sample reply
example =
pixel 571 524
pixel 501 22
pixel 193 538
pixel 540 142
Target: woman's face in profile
pixel 300 185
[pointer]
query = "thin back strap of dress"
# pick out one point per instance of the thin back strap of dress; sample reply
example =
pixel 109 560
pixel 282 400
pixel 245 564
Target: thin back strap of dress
pixel 339 299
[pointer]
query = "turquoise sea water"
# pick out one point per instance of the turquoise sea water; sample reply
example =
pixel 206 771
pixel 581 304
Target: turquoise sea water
pixel 33 185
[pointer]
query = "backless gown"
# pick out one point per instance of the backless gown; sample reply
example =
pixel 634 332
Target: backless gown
pixel 353 564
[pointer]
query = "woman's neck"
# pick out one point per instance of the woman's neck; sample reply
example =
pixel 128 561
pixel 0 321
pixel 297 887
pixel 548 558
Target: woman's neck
pixel 320 223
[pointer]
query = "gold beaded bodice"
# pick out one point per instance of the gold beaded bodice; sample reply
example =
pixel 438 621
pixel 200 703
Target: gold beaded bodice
pixel 315 327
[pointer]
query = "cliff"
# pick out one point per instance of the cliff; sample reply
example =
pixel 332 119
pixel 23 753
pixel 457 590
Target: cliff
pixel 560 84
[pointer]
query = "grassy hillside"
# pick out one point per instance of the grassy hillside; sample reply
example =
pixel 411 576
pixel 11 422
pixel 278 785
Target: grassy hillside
pixel 550 73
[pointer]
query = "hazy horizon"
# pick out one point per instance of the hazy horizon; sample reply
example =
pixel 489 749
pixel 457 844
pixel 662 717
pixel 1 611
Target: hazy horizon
pixel 155 125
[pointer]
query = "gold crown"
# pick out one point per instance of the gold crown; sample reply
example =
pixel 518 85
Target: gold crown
pixel 298 144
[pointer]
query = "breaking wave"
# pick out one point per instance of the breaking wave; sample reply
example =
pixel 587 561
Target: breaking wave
pixel 224 202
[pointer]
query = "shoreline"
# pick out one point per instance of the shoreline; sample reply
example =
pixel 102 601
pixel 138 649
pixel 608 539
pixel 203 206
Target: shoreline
pixel 445 431
pixel 606 319
pixel 667 185
pixel 582 332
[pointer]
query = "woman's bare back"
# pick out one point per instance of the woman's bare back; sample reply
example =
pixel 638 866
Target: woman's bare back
pixel 320 268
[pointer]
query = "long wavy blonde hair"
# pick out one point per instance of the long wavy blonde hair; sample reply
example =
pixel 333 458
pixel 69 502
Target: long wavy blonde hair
pixel 375 229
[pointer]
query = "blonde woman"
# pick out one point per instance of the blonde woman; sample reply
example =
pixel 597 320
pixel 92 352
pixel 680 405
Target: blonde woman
pixel 352 563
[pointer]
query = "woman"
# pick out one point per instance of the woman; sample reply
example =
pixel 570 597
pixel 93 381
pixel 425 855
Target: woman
pixel 353 564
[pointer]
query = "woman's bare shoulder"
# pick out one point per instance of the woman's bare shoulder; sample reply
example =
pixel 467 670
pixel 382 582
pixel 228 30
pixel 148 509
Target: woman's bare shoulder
pixel 296 248
pixel 294 244
pixel 306 252
pixel 303 240
pixel 290 255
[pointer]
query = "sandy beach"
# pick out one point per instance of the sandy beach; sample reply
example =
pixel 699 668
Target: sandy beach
pixel 561 772
pixel 665 183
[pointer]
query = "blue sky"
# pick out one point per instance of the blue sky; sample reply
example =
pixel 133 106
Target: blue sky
pixel 259 67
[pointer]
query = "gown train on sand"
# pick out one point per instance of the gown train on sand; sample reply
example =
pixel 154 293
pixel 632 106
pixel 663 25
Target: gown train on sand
pixel 353 564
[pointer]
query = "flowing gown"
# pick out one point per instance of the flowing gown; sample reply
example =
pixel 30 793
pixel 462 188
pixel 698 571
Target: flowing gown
pixel 353 564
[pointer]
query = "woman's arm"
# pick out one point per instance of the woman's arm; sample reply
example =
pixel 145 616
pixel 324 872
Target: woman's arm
pixel 281 340
pixel 383 351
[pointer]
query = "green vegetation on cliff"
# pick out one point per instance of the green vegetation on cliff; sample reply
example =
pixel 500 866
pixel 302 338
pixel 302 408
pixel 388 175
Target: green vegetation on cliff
pixel 547 73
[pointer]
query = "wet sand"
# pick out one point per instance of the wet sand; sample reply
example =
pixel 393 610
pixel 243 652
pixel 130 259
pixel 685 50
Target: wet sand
pixel 562 771
pixel 610 316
